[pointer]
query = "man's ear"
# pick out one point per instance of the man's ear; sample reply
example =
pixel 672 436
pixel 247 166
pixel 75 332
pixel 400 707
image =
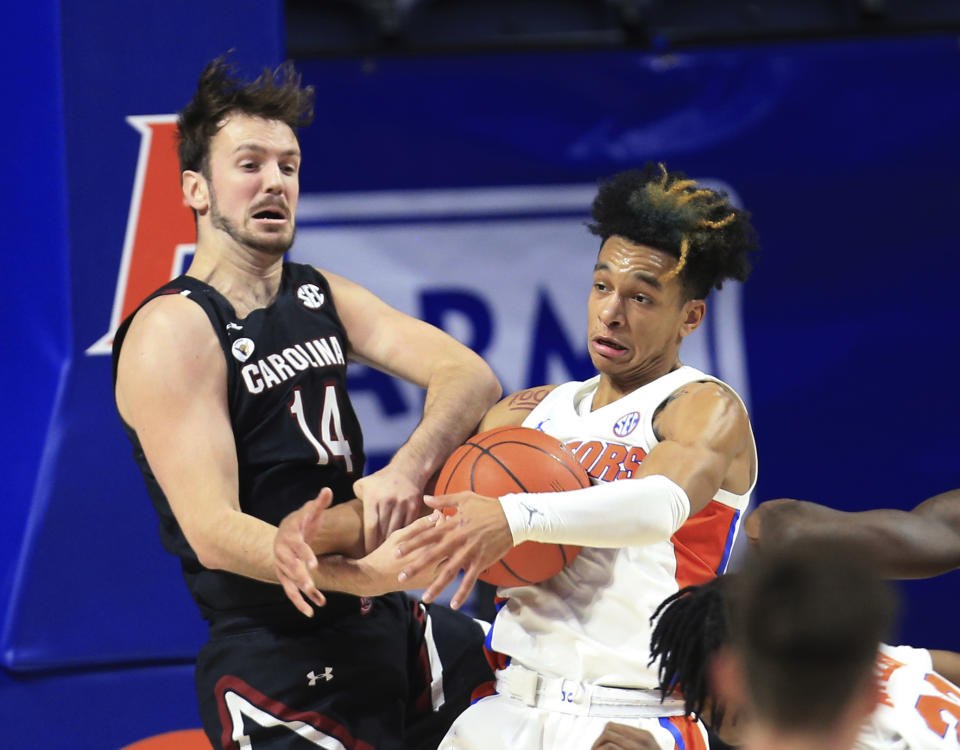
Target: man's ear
pixel 692 316
pixel 196 191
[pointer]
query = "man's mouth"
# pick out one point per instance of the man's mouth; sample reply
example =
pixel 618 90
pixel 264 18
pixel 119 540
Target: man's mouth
pixel 270 214
pixel 608 347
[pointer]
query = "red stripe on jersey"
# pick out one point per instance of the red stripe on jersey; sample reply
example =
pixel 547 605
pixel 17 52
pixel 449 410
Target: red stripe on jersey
pixel 321 723
pixel 691 732
pixel 424 701
pixel 700 544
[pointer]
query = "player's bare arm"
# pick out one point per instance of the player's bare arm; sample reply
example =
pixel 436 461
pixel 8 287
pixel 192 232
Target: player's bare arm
pixel 512 410
pixel 947 665
pixel 706 444
pixel 177 404
pixel 460 387
pixel 920 543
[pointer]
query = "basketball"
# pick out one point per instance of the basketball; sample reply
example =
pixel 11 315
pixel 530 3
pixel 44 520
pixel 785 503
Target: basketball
pixel 516 459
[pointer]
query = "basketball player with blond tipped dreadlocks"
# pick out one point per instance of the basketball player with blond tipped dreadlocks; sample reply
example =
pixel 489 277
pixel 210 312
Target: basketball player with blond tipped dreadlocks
pixel 672 458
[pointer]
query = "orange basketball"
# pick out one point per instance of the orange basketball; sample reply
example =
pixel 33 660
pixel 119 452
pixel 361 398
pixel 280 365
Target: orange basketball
pixel 516 459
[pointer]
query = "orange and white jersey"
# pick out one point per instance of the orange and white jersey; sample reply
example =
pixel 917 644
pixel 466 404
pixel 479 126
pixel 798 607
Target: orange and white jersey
pixel 918 709
pixel 591 621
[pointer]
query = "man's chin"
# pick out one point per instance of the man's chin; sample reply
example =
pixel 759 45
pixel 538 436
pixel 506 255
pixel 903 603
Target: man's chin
pixel 272 245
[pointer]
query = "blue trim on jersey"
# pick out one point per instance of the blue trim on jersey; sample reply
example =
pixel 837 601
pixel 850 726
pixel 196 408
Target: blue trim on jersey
pixel 477 700
pixel 677 737
pixel 729 545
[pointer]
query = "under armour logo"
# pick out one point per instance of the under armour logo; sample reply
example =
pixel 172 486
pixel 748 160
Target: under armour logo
pixel 312 676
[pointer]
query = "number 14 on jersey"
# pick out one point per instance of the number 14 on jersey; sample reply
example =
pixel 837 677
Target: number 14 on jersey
pixel 331 441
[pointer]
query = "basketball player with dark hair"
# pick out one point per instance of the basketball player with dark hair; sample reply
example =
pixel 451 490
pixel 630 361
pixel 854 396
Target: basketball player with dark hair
pixel 672 457
pixel 918 543
pixel 919 701
pixel 231 383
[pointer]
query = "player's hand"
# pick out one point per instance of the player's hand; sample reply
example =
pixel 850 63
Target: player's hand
pixel 390 502
pixel 293 559
pixel 471 540
pixel 622 737
pixel 383 565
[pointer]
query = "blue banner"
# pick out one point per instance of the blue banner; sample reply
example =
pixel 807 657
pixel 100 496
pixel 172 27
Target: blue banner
pixel 456 187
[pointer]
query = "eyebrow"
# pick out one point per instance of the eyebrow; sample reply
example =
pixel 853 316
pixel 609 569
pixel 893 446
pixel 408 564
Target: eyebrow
pixel 643 276
pixel 261 150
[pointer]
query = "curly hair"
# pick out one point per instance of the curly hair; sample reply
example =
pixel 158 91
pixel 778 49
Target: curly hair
pixel 692 626
pixel 711 239
pixel 274 95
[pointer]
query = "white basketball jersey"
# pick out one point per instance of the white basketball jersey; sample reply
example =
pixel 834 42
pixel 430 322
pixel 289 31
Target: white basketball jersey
pixel 591 621
pixel 919 709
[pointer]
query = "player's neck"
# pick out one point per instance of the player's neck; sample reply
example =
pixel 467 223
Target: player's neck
pixel 611 388
pixel 249 279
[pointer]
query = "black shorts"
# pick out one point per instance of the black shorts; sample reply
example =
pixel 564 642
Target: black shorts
pixel 393 678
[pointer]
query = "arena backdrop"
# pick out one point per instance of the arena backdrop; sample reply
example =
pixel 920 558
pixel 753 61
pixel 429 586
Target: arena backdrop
pixel 457 188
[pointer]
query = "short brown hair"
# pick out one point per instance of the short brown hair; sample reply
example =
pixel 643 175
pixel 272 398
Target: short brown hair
pixel 275 95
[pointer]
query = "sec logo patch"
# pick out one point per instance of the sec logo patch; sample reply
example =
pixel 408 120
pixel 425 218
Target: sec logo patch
pixel 626 424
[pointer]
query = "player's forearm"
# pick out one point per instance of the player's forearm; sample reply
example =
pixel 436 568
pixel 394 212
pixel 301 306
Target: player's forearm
pixel 341 531
pixel 235 542
pixel 627 513
pixel 902 544
pixel 457 398
pixel 349 576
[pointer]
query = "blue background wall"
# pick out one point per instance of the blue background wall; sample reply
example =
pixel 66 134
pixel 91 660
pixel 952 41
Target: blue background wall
pixel 845 151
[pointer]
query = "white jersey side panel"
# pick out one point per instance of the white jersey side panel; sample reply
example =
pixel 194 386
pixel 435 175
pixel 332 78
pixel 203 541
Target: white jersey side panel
pixel 919 709
pixel 590 622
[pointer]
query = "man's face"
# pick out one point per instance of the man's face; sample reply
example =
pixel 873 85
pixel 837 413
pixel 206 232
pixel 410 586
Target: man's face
pixel 636 319
pixel 254 167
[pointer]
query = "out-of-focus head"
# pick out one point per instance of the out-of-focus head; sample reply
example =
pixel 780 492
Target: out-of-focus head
pixel 806 624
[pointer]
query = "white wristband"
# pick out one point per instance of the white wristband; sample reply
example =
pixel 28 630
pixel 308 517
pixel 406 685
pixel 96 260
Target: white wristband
pixel 625 513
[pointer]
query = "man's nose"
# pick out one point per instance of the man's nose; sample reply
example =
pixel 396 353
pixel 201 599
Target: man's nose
pixel 611 311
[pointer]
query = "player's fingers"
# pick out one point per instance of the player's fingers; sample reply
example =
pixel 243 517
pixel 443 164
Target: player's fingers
pixel 421 534
pixel 440 501
pixel 314 594
pixel 371 528
pixel 293 594
pixel 313 518
pixel 466 586
pixel 447 573
pixel 409 534
pixel 391 519
pixel 409 512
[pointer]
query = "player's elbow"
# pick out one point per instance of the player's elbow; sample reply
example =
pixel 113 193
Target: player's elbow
pixel 208 555
pixel 204 543
pixel 472 372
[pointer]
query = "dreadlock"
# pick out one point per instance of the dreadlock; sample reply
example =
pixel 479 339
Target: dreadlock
pixel 710 238
pixel 692 626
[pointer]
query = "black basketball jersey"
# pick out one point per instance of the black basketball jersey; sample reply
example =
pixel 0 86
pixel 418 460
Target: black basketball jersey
pixel 294 427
